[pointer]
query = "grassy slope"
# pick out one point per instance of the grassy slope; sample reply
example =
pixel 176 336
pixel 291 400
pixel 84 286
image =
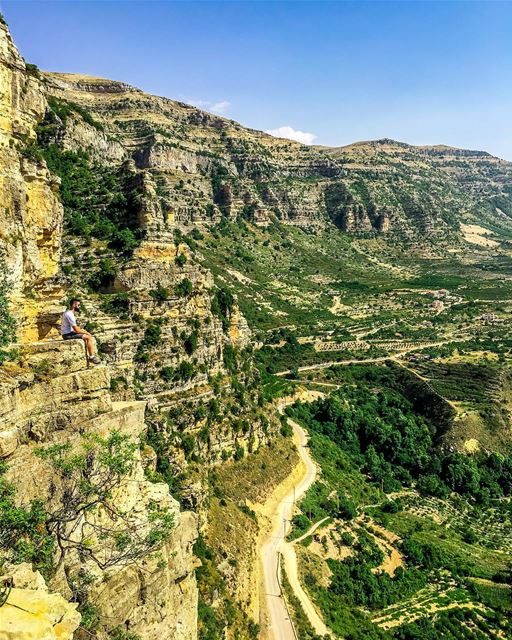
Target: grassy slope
pixel 227 579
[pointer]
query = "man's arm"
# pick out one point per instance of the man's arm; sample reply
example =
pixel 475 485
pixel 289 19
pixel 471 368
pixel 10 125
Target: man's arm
pixel 78 329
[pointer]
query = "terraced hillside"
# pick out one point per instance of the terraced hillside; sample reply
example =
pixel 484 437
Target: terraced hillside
pixel 206 166
pixel 432 184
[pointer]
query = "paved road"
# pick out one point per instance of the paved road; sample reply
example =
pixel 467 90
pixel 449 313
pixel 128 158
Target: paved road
pixel 276 547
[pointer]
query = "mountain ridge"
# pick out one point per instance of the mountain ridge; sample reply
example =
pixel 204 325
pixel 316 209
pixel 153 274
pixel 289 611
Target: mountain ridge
pixel 86 82
pixel 407 145
pixel 383 186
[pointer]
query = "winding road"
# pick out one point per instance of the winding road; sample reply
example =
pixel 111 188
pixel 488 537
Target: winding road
pixel 276 549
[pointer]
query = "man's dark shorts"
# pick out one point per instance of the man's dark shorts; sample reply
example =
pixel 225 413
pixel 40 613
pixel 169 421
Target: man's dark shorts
pixel 73 335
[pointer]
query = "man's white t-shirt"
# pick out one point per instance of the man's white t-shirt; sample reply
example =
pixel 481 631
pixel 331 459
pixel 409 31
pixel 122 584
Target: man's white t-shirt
pixel 68 322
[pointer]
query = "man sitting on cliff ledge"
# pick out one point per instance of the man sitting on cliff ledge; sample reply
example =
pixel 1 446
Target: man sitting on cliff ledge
pixel 71 331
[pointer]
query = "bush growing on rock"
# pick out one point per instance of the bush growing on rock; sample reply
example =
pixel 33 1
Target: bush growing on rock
pixel 184 288
pixel 7 324
pixel 160 293
pixel 104 276
pixel 88 477
pixel 185 370
pixel 181 260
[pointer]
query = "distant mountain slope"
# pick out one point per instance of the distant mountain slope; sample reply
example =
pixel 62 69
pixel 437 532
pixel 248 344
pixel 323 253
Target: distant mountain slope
pixel 462 185
pixel 197 158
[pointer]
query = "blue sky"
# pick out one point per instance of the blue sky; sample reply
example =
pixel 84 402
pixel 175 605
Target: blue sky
pixel 420 72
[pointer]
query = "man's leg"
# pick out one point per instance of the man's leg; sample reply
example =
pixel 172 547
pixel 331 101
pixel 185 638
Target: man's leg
pixel 89 345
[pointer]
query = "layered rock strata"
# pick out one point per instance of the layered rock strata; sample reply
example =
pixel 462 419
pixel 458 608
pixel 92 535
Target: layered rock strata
pixel 57 404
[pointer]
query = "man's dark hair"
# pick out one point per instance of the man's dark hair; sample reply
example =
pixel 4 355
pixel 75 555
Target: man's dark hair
pixel 72 302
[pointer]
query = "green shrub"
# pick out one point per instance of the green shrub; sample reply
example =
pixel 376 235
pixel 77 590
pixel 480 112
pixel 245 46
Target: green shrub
pixel 62 108
pixel 123 240
pixel 229 358
pixel 103 278
pixel 121 634
pixel 184 288
pixel 185 370
pixel 32 152
pixel 160 293
pixel 38 532
pixel 190 343
pixel 152 334
pixel 33 70
pixel 117 383
pixel 181 260
pixel 23 533
pixel 98 201
pixel 222 304
pixel 187 444
pixel 167 373
pixel 7 323
pixel 196 234
pixel 118 304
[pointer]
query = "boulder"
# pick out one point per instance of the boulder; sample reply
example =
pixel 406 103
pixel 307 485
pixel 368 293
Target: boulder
pixel 34 614
pixel 8 442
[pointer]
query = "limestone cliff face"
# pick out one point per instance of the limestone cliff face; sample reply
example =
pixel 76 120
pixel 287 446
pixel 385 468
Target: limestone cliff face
pixel 31 214
pixel 198 158
pixel 32 234
pixel 435 187
pixel 261 177
pixel 189 332
pixel 155 597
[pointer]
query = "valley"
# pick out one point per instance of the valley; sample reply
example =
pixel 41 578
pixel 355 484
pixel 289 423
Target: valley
pixel 301 425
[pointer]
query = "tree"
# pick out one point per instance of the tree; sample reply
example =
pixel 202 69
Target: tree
pixel 87 517
pixel 7 323
pixel 124 241
pixel 184 288
pixel 431 484
pixel 222 305
pixel 461 473
pixel 104 277
pixel 181 260
pixel 190 342
pixel 23 536
pixel 185 370
pixel 160 294
pixel 347 509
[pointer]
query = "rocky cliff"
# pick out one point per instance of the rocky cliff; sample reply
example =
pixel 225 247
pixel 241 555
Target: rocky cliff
pixel 51 402
pixel 32 215
pixel 81 216
pixel 436 186
pixel 206 166
pixel 50 398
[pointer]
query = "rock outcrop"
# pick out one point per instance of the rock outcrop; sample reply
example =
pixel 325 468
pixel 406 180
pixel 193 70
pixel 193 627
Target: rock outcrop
pixel 30 612
pixel 31 214
pixel 56 404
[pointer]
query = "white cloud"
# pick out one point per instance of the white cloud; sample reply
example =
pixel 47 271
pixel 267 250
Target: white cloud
pixel 208 105
pixel 220 107
pixel 292 134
